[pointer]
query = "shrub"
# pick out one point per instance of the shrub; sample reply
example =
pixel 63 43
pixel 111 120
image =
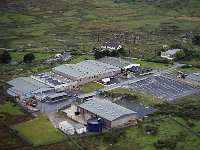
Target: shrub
pixel 152 130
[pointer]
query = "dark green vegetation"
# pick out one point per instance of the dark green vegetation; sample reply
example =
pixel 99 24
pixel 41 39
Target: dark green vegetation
pixel 10 114
pixel 187 109
pixel 9 140
pixel 28 58
pixel 143 27
pixel 5 57
pixel 99 53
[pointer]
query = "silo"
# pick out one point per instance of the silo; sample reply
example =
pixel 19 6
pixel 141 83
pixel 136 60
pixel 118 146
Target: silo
pixel 94 125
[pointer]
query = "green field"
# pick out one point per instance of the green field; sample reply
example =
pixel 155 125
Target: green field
pixel 142 98
pixel 154 65
pixel 91 87
pixel 18 56
pixel 39 131
pixel 10 108
pixel 137 138
pixel 73 25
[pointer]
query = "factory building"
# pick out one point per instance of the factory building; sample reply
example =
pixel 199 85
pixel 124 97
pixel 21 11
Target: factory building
pixel 86 71
pixel 24 87
pixel 118 62
pixel 111 114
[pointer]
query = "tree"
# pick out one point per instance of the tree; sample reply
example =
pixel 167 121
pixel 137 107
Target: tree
pixel 28 58
pixel 196 40
pixel 5 57
pixel 180 55
pixel 122 51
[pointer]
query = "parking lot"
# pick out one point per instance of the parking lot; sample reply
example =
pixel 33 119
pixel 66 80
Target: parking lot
pixel 162 87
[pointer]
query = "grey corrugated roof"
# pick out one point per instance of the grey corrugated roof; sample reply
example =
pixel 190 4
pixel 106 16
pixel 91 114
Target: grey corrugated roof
pixel 85 95
pixel 57 95
pixel 115 61
pixel 106 109
pixel 25 85
pixel 85 68
pixel 98 67
pixel 172 51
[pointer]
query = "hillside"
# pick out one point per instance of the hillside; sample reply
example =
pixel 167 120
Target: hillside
pixel 141 26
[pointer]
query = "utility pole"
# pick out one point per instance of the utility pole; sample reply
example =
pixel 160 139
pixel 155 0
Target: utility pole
pixel 98 37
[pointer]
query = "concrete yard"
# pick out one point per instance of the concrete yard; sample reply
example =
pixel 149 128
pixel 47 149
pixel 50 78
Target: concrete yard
pixel 163 88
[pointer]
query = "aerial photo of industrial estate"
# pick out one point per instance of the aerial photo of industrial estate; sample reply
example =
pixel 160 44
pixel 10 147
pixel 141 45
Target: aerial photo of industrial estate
pixel 100 75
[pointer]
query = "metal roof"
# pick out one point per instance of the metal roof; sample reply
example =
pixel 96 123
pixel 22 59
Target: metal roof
pixel 47 79
pixel 172 51
pixel 25 85
pixel 86 95
pixel 118 62
pixel 57 95
pixel 106 109
pixel 85 68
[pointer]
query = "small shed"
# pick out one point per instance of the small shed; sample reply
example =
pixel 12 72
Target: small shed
pixel 79 128
pixel 66 127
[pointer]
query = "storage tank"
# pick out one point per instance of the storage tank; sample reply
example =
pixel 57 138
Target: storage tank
pixel 94 125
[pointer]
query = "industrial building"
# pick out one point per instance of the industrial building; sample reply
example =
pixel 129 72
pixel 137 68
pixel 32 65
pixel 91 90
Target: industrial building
pixel 170 54
pixel 65 77
pixel 56 97
pixel 58 82
pixel 111 114
pixel 86 71
pixel 24 87
pixel 118 62
pixel 83 97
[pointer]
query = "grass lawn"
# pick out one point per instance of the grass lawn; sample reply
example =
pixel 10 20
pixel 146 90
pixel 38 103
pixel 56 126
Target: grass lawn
pixel 167 128
pixel 142 98
pixel 80 58
pixel 19 56
pixel 11 108
pixel 91 87
pixel 39 131
pixel 137 138
pixel 154 65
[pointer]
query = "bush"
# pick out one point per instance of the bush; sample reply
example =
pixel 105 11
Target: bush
pixel 152 130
